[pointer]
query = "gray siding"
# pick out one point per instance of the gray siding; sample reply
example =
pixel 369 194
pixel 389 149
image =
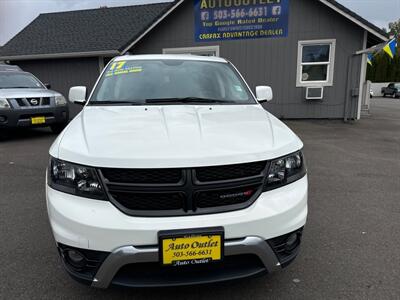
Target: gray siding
pixel 274 61
pixel 64 73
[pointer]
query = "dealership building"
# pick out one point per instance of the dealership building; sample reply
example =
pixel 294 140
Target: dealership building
pixel 311 52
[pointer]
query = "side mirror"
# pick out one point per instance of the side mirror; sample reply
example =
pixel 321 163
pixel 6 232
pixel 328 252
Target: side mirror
pixel 264 93
pixel 47 85
pixel 77 95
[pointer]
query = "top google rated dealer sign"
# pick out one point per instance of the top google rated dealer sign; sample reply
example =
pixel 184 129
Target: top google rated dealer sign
pixel 217 20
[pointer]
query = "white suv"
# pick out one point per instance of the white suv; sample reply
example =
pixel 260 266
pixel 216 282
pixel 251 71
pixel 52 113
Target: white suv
pixel 174 174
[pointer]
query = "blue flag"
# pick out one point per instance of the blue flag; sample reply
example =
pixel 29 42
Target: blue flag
pixel 391 47
pixel 369 58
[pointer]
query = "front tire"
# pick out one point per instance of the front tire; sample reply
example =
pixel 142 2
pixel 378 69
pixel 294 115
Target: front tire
pixel 3 134
pixel 57 128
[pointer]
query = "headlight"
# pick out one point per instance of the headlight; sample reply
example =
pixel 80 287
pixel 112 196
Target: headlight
pixel 60 100
pixel 285 170
pixel 4 104
pixel 75 179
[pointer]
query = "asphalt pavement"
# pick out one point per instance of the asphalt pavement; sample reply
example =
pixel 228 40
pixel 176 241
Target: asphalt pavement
pixel 351 244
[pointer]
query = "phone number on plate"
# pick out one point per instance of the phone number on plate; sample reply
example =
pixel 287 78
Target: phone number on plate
pixel 191 253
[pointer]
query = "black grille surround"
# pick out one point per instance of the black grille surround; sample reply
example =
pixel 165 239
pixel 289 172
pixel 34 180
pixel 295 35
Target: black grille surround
pixel 182 192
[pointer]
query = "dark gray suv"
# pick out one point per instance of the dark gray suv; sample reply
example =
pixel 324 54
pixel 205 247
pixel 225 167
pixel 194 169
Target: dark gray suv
pixel 26 102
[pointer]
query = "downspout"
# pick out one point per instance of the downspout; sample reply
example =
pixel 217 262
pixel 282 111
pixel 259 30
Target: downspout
pixel 348 90
pixel 363 76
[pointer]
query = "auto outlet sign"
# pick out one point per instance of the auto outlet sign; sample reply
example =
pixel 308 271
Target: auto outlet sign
pixel 217 20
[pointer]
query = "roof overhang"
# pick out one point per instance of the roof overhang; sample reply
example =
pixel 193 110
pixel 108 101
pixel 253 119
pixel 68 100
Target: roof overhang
pixel 62 55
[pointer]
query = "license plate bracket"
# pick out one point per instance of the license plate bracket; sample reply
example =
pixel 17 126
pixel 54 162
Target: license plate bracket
pixel 191 246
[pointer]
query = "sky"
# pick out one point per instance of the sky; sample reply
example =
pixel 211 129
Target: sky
pixel 16 14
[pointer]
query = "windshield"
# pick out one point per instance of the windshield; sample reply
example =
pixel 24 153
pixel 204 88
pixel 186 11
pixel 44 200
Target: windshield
pixel 170 81
pixel 10 80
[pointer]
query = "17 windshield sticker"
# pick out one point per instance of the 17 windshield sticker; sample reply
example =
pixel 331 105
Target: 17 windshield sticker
pixel 120 68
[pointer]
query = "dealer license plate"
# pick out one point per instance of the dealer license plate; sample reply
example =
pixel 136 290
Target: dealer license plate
pixel 191 247
pixel 38 120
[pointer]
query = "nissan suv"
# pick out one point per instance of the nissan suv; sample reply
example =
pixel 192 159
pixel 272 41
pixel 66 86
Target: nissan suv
pixel 26 102
pixel 174 174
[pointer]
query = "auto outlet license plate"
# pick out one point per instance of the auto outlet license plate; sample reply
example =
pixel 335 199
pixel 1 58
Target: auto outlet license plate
pixel 191 247
pixel 38 120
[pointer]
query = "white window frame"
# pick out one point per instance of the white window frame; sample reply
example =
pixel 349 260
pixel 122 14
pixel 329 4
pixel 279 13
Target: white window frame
pixel 192 50
pixel 330 63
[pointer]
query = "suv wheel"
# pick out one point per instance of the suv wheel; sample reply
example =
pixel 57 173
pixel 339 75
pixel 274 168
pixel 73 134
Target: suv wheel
pixel 57 128
pixel 4 134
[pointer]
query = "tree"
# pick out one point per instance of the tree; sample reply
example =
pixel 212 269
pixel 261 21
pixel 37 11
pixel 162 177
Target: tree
pixel 394 28
pixel 385 69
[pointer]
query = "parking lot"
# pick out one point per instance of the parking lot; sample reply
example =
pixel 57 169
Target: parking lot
pixel 350 248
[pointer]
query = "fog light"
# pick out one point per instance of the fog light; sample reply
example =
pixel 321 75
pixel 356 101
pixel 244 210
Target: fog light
pixel 3 119
pixel 292 242
pixel 75 258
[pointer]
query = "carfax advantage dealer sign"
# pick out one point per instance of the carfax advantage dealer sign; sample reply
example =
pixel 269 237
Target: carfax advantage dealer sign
pixel 217 20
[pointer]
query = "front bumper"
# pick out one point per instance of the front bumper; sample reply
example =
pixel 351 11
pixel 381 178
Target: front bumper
pixel 131 266
pixel 15 118
pixel 255 231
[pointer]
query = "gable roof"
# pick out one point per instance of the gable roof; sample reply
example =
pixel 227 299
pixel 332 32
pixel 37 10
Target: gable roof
pixel 84 32
pixel 111 31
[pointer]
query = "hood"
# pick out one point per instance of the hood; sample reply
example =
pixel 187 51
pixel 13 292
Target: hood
pixel 173 136
pixel 27 93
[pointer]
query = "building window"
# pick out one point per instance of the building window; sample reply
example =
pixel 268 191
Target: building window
pixel 315 63
pixel 203 51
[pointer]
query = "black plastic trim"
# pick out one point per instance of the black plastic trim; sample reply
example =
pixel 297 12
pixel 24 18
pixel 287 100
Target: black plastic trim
pixel 94 260
pixel 18 118
pixel 159 276
pixel 286 257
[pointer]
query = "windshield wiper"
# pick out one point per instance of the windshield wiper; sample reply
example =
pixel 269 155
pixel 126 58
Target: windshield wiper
pixel 187 100
pixel 110 102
